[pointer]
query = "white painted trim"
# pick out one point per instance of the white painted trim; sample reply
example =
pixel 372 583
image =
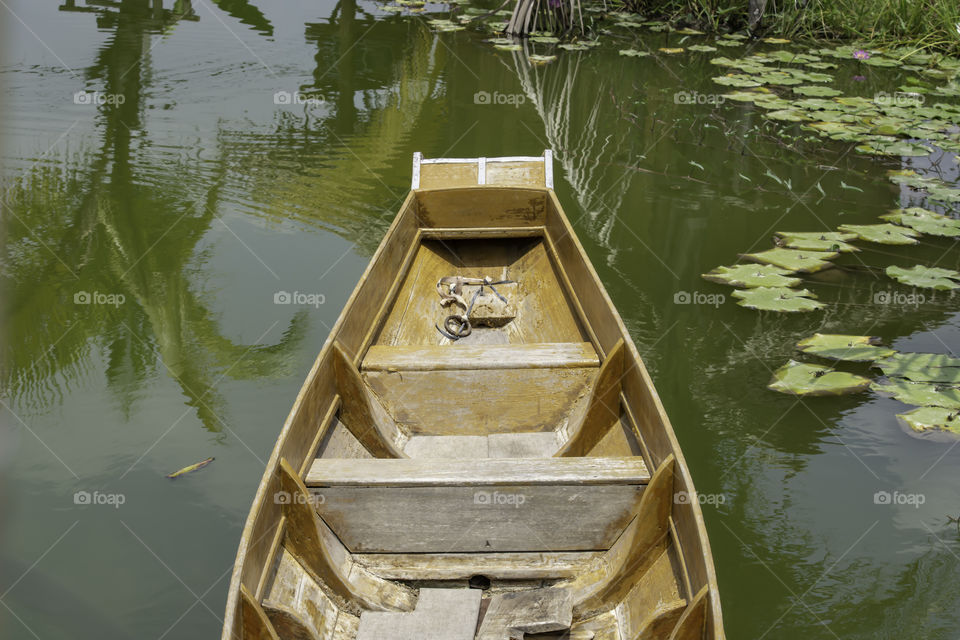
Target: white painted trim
pixel 548 167
pixel 481 171
pixel 417 159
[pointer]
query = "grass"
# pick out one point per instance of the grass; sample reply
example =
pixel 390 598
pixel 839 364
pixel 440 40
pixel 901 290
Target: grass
pixel 928 24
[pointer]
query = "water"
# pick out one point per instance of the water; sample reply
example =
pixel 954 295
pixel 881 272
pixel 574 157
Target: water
pixel 180 206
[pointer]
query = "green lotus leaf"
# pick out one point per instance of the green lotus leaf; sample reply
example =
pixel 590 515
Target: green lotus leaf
pixel 671 50
pixel 925 277
pixel 842 347
pixel 704 48
pixel 821 65
pixel 855 102
pixel 899 148
pixel 752 275
pixel 879 61
pixel 735 36
pixel 634 53
pixel 818 240
pixel 921 367
pixel 928 420
pixel 737 80
pixel 782 55
pixel 508 47
pixel 802 379
pixel 689 32
pixel 779 78
pixel 776 40
pixel 920 394
pixel 545 39
pixel 924 221
pixel 541 59
pixel 726 42
pixel 780 299
pixel 745 96
pixel 815 103
pixel 813 90
pixel 795 260
pixel 787 115
pixel 573 46
pixel 881 233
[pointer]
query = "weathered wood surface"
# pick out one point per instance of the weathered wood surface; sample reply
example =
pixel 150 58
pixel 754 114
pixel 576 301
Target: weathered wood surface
pixel 514 614
pixel 585 430
pixel 477 473
pixel 694 621
pixel 441 614
pixel 256 624
pixel 456 519
pixel 541 355
pixel 328 562
pixel 462 566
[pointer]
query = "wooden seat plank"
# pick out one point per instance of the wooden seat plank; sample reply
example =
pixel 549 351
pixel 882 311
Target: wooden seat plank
pixel 543 355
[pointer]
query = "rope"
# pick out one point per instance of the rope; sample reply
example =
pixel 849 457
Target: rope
pixel 456 326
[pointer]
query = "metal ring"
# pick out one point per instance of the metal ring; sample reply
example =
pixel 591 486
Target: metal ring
pixel 461 327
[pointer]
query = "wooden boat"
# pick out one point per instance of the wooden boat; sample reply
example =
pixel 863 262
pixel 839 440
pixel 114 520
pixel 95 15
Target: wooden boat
pixel 509 473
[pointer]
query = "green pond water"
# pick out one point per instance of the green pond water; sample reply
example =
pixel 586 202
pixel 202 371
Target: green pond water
pixel 148 229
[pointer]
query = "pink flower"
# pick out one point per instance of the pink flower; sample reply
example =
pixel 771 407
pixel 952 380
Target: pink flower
pixel 860 54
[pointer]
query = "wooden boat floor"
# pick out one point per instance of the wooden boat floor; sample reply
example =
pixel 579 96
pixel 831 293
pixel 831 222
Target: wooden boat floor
pixel 542 314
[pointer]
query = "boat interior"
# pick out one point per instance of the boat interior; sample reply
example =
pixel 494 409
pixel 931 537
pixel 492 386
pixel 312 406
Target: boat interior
pixel 517 482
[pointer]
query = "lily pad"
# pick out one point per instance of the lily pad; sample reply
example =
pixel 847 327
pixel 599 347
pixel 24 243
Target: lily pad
pixel 896 148
pixel 776 40
pixel 881 233
pixel 802 379
pixel 538 59
pixel 752 275
pixel 920 394
pixel 671 50
pixel 545 39
pixel 924 221
pixel 793 259
pixel 787 115
pixel 921 367
pixel 634 53
pixel 818 241
pixel 703 48
pixel 928 420
pixel 737 80
pixel 926 277
pixel 813 90
pixel 573 46
pixel 779 299
pixel 842 347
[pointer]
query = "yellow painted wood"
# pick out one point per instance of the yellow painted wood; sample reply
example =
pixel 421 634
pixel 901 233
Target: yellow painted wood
pixel 603 409
pixel 256 624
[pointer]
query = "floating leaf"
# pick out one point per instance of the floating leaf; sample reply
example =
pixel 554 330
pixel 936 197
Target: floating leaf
pixel 545 39
pixel 787 115
pixel 752 275
pixel 540 59
pixel 793 259
pixel 818 241
pixel 508 47
pixel 737 80
pixel 701 47
pixel 898 148
pixel 927 420
pixel 573 46
pixel 190 469
pixel 689 32
pixel 842 347
pixel 924 221
pixel 801 379
pixel 816 91
pixel 881 233
pixel 920 394
pixel 921 367
pixel 776 40
pixel 779 299
pixel 925 277
pixel 634 53
pixel 671 50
